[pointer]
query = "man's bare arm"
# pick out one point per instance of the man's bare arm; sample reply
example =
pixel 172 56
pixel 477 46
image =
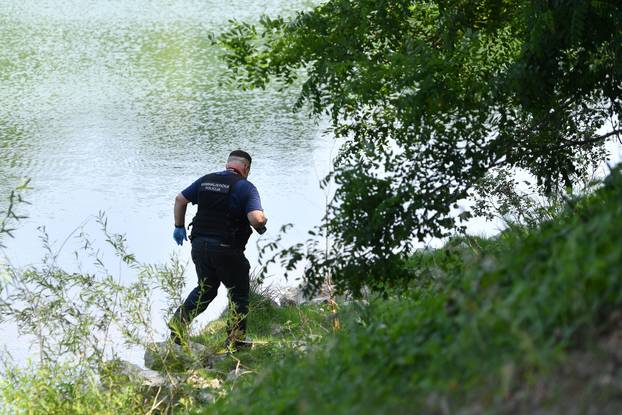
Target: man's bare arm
pixel 257 219
pixel 181 203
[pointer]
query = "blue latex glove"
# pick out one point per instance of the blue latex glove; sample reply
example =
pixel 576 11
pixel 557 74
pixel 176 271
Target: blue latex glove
pixel 179 234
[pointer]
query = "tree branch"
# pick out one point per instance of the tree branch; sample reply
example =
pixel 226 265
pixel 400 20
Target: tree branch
pixel 592 139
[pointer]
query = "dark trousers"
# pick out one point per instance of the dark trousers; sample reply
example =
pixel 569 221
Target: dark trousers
pixel 215 265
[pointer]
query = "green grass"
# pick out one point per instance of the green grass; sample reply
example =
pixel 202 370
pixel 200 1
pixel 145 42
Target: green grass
pixel 61 389
pixel 275 332
pixel 481 319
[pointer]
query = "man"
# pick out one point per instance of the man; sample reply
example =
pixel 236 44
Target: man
pixel 228 205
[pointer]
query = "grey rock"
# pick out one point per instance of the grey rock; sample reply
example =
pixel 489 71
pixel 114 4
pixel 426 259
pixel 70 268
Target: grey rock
pixel 201 384
pixel 211 359
pixel 146 377
pixel 204 396
pixel 303 347
pixel 320 300
pixel 293 296
pixel 232 375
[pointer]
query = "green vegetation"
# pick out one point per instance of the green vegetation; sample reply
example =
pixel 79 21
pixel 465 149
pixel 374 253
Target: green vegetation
pixel 430 97
pixel 63 390
pixel 482 322
pixel 277 333
pixel 481 319
pixel 55 388
pixel 434 101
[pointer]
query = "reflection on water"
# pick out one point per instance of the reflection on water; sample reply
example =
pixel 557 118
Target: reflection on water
pixel 117 106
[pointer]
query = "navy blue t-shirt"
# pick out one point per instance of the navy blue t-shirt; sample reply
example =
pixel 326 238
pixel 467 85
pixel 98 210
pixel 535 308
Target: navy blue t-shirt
pixel 244 196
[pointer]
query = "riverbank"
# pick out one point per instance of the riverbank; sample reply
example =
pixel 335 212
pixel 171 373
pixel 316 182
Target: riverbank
pixel 527 322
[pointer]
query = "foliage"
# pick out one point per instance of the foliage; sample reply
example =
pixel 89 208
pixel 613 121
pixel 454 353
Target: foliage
pixel 500 195
pixel 481 317
pixel 60 390
pixel 73 316
pixel 430 96
pixel 10 216
pixel 276 331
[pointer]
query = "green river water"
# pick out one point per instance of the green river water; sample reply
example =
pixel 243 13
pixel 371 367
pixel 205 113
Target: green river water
pixel 117 105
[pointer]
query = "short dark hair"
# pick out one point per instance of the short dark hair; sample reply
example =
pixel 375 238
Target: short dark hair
pixel 243 154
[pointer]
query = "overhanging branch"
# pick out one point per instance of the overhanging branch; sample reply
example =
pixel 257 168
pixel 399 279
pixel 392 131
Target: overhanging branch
pixel 591 140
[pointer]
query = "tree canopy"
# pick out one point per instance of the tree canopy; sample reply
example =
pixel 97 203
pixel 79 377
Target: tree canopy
pixel 428 98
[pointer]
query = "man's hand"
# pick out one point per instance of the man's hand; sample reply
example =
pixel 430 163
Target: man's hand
pixel 179 235
pixel 258 220
pixel 179 212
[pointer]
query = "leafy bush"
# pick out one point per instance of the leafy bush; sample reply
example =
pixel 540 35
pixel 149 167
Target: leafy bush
pixel 60 390
pixel 71 316
pixel 480 314
pixel 426 98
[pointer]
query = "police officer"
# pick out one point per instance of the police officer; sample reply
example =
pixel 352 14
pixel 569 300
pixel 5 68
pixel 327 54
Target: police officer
pixel 228 206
